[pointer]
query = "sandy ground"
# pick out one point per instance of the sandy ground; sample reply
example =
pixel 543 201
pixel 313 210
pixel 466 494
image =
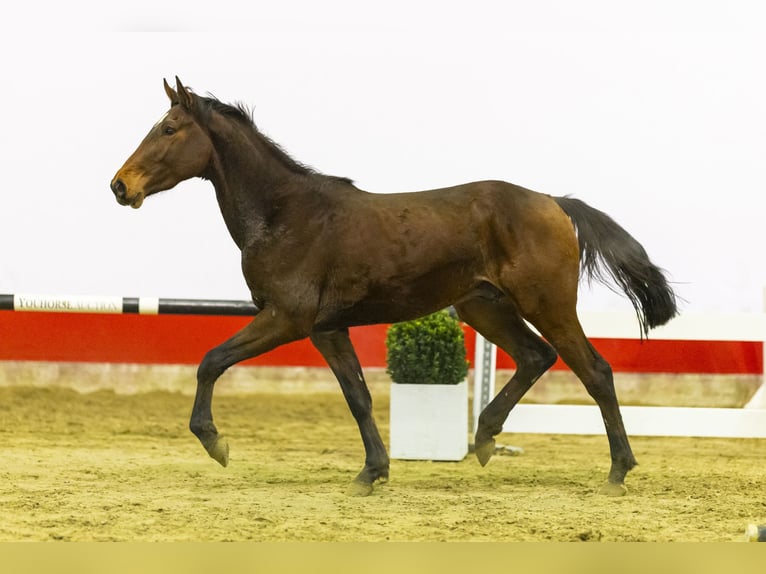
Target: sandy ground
pixel 104 466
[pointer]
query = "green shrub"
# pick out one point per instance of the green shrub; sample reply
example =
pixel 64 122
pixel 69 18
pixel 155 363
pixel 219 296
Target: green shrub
pixel 427 351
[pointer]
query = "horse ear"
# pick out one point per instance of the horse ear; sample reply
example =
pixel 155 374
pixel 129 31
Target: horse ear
pixel 170 92
pixel 185 97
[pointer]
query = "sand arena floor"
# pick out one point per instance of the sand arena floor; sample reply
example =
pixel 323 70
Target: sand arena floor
pixel 106 466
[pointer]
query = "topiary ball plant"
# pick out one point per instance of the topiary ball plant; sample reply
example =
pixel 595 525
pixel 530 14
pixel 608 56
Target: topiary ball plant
pixel 427 351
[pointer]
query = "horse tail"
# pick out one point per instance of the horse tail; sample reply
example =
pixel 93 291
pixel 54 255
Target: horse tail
pixel 607 252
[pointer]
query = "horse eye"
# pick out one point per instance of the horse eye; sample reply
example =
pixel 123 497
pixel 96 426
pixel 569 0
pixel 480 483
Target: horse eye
pixel 168 130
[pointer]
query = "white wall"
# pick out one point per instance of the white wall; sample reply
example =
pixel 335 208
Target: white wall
pixel 654 112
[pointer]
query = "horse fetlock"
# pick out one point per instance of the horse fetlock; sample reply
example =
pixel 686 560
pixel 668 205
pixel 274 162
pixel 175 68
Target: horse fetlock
pixel 489 424
pixel 380 476
pixel 620 468
pixel 364 481
pixel 371 474
pixel 205 431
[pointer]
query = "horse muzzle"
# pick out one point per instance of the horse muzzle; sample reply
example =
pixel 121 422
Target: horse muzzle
pixel 120 191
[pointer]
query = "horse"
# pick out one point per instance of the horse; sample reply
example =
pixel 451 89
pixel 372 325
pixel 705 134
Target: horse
pixel 320 255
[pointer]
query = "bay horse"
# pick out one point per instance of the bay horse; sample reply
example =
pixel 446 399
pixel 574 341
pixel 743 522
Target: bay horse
pixel 320 255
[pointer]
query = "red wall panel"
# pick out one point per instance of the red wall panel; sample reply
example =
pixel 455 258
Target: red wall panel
pixel 184 339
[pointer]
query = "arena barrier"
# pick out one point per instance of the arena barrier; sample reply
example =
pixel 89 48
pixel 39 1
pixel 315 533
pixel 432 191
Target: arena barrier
pixel 748 422
pixel 168 344
pixel 124 305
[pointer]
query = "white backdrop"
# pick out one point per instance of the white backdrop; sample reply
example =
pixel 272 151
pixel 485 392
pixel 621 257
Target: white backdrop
pixel 654 112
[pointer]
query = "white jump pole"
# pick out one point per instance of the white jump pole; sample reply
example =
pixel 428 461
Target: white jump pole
pixel 485 361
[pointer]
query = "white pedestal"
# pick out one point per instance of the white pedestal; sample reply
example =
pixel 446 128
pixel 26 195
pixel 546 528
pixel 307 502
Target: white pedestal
pixel 429 422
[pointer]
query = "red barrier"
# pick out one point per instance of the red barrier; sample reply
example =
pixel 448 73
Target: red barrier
pixel 184 339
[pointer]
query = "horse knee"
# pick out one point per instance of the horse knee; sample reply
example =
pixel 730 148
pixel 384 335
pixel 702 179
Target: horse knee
pixel 211 367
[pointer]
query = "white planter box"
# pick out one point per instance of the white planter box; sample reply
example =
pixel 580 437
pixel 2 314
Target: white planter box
pixel 429 422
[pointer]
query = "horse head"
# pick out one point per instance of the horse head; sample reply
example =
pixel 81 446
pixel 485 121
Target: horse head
pixel 175 149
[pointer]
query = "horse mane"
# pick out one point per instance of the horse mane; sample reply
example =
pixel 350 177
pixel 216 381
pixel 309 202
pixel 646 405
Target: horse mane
pixel 241 113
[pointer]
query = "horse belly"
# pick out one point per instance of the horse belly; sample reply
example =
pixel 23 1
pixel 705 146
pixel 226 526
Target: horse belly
pixel 396 299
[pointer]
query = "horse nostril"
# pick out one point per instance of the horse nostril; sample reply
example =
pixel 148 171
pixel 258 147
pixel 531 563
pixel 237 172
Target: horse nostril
pixel 118 188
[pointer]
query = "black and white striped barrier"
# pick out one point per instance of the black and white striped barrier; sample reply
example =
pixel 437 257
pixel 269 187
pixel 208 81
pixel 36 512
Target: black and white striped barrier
pixel 125 305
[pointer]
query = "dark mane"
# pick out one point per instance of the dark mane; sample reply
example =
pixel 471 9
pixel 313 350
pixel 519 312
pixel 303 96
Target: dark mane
pixel 241 113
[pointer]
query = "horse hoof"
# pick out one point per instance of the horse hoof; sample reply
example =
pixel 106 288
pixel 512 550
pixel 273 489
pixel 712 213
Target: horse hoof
pixel 485 451
pixel 612 489
pixel 359 489
pixel 220 451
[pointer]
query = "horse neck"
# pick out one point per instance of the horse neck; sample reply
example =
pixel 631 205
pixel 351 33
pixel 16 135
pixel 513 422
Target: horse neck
pixel 247 180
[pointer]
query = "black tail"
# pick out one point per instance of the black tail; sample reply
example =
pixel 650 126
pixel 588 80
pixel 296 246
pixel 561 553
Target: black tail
pixel 607 252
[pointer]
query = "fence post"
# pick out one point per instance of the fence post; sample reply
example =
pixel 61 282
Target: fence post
pixel 758 400
pixel 485 361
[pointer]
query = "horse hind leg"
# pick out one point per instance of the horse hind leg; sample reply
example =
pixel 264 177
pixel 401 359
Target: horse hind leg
pixel 499 322
pixel 336 348
pixel 564 332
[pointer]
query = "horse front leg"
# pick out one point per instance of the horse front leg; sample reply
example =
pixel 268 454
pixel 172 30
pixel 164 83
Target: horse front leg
pixel 339 353
pixel 267 331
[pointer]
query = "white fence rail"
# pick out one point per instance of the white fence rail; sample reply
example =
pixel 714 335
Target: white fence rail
pixel 748 422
